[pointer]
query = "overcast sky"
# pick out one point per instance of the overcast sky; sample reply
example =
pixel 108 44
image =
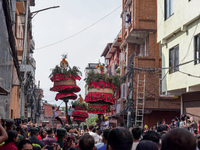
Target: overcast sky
pixel 54 25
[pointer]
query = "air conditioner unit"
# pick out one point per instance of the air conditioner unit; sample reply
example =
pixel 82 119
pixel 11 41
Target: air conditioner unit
pixel 123 91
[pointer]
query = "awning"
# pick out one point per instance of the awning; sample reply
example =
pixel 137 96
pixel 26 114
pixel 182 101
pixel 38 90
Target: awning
pixel 3 91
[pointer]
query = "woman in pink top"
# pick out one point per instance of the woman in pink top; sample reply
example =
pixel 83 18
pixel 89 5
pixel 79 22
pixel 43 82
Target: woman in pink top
pixel 10 143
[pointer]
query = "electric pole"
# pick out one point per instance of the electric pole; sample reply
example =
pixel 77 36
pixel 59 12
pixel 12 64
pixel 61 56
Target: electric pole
pixel 130 94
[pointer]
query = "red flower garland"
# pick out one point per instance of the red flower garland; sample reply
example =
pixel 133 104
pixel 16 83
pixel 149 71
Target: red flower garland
pixel 98 109
pixel 63 88
pixel 81 114
pixel 59 77
pixel 94 97
pixel 64 96
pixel 79 119
pixel 100 84
pixel 80 108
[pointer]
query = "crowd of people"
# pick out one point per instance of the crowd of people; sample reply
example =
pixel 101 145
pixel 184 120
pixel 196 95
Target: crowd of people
pixel 181 134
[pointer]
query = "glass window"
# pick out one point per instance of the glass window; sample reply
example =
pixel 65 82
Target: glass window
pixel 174 59
pixel 169 8
pixel 197 49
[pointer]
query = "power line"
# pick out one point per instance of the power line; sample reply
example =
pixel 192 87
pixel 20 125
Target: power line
pixel 153 69
pixel 80 30
pixel 189 74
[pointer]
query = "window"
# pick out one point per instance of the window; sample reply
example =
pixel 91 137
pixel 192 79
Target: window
pixel 174 59
pixel 169 8
pixel 197 49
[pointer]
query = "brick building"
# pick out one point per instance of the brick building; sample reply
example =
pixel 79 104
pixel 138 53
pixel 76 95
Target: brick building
pixel 46 116
pixel 139 53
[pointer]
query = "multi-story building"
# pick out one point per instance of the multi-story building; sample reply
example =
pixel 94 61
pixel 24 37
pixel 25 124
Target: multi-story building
pixel 15 24
pixel 112 63
pixel 139 55
pixel 179 39
pixel 46 116
pixel 89 68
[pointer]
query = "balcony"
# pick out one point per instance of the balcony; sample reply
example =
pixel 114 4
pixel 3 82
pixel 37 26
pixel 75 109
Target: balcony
pixel 32 62
pixel 27 68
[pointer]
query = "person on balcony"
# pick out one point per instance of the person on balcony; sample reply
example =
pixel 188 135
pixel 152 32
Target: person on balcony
pixel 129 19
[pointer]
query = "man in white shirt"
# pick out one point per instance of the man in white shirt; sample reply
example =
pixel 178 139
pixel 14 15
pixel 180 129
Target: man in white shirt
pixel 71 109
pixel 105 123
pixel 136 132
pixel 93 134
pixel 56 115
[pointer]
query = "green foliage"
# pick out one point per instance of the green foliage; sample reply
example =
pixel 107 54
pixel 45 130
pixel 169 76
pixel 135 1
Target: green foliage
pixel 118 70
pixel 59 70
pixel 77 103
pixel 90 121
pixel 92 76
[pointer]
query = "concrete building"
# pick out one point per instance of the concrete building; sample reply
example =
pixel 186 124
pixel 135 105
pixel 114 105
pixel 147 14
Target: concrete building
pixel 12 41
pixel 179 39
pixel 139 53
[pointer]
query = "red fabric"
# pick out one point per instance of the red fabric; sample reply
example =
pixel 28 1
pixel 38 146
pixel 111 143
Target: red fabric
pixel 59 77
pixel 39 137
pixel 98 108
pixel 59 88
pixel 94 97
pixel 79 119
pixel 81 114
pixel 80 108
pixel 64 96
pixel 9 146
pixel 100 84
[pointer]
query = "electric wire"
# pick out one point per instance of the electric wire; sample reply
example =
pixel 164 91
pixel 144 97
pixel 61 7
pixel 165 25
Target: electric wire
pixel 80 30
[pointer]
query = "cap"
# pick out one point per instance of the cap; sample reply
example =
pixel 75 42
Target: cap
pixel 9 122
pixel 34 130
pixel 61 132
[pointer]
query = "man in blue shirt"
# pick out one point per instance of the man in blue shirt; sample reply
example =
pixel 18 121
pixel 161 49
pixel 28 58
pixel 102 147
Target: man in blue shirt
pixel 129 18
pixel 105 137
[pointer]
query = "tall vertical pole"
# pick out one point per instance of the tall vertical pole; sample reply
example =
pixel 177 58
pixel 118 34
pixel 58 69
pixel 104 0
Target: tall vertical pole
pixel 66 111
pixel 130 96
pixel 38 104
pixel 22 103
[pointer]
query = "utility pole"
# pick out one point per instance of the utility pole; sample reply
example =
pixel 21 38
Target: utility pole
pixel 130 94
pixel 25 52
